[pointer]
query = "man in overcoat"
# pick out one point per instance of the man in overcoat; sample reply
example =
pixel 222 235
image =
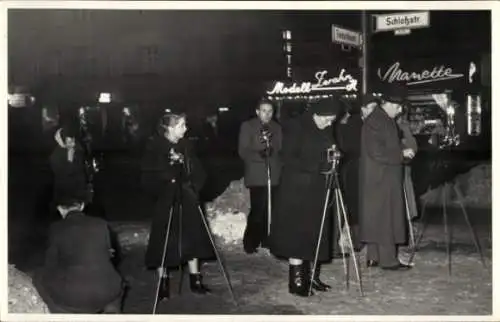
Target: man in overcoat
pixel 295 227
pixel 257 155
pixel 78 275
pixel 382 221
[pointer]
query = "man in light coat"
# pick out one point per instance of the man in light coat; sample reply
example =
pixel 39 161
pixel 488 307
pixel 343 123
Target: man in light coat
pixel 259 147
pixel 382 216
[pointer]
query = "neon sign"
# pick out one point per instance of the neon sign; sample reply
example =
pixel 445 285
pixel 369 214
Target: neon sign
pixel 343 81
pixel 438 73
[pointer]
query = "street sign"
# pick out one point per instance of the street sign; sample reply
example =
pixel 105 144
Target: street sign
pixel 404 20
pixel 346 37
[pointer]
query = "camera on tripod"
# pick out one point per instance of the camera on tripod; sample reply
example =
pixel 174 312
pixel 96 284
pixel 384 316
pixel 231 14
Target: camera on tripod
pixel 333 155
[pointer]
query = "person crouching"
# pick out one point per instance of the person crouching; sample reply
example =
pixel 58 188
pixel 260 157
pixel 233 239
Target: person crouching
pixel 78 275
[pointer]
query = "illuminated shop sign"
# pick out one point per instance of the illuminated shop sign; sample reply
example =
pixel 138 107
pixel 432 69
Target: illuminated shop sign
pixel 323 84
pixel 396 74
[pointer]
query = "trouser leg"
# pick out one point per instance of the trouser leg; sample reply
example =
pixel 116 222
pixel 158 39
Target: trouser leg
pixel 388 255
pixel 372 253
pixel 256 228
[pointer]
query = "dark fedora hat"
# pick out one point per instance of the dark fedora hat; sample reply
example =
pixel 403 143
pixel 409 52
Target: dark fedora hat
pixel 326 107
pixel 395 93
pixel 369 98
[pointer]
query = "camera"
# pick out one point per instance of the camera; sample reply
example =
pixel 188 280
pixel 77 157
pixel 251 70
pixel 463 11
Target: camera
pixel 265 134
pixel 333 155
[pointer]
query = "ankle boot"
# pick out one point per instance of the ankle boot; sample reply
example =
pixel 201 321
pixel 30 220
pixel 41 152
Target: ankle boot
pixel 164 292
pixel 196 284
pixel 317 284
pixel 298 283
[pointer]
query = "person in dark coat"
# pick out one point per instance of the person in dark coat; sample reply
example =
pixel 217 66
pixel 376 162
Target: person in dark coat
pixel 172 176
pixel 78 275
pixel 256 154
pixel 296 222
pixel 408 141
pixel 382 217
pixel 68 167
pixel 348 137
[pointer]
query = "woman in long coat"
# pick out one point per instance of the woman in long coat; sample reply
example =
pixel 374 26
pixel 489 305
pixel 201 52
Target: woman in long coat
pixel 68 167
pixel 172 176
pixel 296 221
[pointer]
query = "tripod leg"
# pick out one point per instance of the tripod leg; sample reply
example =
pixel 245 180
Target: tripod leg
pixel 316 253
pixel 446 230
pixel 181 270
pixel 268 200
pixel 163 259
pixel 339 221
pixel 217 255
pixel 421 234
pixel 472 231
pixel 351 246
pixel 408 218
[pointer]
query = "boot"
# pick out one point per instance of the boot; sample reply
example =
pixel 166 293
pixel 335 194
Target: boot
pixel 196 284
pixel 317 284
pixel 164 292
pixel 298 282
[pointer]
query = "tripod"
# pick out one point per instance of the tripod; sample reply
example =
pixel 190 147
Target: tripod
pixel 332 178
pixel 178 194
pixel 445 191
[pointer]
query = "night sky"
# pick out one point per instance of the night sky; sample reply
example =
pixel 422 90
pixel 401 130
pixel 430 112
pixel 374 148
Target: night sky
pixel 217 54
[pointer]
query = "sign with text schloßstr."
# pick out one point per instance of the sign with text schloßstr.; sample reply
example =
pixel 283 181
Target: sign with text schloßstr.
pixel 404 20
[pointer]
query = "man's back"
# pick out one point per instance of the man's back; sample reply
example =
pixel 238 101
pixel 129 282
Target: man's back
pixel 78 274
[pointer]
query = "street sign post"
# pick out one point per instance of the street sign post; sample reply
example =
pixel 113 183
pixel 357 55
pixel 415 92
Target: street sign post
pixel 346 37
pixel 402 23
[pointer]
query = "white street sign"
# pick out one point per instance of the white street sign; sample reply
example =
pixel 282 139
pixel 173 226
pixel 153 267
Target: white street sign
pixel 346 36
pixel 406 20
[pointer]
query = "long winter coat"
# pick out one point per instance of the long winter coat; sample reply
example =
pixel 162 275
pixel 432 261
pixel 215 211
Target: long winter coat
pixel 348 137
pixel 168 187
pixel 382 219
pixel 249 147
pixel 296 222
pixel 70 180
pixel 78 275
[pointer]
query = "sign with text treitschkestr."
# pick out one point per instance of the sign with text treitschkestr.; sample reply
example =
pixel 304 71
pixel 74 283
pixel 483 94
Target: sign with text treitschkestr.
pixel 345 36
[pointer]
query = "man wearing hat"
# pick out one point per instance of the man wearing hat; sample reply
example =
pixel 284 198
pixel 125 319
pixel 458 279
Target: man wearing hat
pixel 382 217
pixel 300 198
